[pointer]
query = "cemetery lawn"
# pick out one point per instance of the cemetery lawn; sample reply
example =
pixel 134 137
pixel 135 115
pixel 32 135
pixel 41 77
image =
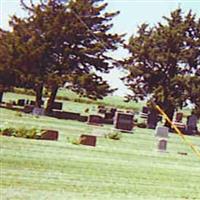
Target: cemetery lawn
pixel 129 168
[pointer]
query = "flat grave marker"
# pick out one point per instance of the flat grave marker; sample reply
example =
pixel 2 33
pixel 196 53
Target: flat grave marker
pixel 89 140
pixel 49 135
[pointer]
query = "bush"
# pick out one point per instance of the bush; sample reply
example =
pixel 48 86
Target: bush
pixel 141 125
pixel 114 136
pixel 21 132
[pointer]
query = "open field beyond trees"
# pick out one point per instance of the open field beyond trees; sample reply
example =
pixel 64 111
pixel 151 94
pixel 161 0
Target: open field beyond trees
pixel 129 168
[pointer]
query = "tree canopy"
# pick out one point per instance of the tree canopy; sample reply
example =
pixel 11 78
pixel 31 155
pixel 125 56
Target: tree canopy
pixel 162 57
pixel 66 42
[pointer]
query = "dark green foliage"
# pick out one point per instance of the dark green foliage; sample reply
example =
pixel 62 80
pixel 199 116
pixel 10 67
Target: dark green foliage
pixel 141 125
pixel 21 132
pixel 114 136
pixel 65 42
pixel 162 58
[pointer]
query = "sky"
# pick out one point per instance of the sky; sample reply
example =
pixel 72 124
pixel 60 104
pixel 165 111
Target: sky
pixel 132 14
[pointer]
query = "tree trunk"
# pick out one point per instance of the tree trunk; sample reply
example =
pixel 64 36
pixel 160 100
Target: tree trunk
pixel 1 96
pixel 51 99
pixel 38 98
pixel 170 113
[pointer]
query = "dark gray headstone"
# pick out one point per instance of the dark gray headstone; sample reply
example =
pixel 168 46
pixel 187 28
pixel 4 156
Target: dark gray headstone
pixel 124 121
pixel 152 119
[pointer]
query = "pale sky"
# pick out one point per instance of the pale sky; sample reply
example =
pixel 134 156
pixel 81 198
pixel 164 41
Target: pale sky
pixel 132 14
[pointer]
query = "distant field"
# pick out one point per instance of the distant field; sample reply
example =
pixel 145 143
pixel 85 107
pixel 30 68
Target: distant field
pixel 130 168
pixel 64 94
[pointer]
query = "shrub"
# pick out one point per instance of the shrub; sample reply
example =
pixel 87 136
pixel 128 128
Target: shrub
pixel 21 132
pixel 114 136
pixel 141 125
pixel 74 141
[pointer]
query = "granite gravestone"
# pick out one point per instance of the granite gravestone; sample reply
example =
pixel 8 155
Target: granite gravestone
pixel 89 140
pixel 49 135
pixel 192 124
pixel 124 121
pixel 95 120
pixel 152 119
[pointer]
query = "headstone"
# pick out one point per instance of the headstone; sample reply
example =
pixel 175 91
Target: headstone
pixel 192 124
pixel 70 115
pixel 179 117
pixel 144 112
pixel 38 111
pixel 162 145
pixel 145 109
pixel 21 102
pixel 57 105
pixel 162 132
pixel 89 140
pixel 83 118
pixel 124 121
pixel 152 119
pixel 95 120
pixel 49 135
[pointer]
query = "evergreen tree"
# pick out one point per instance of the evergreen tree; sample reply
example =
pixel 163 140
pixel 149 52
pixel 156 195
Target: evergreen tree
pixel 67 42
pixel 162 57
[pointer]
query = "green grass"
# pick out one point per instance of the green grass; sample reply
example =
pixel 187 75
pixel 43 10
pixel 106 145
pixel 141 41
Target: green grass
pixel 129 168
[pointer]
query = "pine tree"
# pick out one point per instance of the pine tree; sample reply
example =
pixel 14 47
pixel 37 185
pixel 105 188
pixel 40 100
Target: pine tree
pixel 161 59
pixel 67 42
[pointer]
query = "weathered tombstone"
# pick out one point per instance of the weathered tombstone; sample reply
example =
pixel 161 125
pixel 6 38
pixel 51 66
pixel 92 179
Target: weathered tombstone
pixel 179 117
pixel 57 105
pixel 162 132
pixel 124 121
pixel 49 135
pixel 152 119
pixel 192 124
pixel 21 102
pixel 38 111
pixel 94 120
pixel 89 140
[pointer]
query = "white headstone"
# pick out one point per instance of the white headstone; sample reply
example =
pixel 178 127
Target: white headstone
pixel 162 132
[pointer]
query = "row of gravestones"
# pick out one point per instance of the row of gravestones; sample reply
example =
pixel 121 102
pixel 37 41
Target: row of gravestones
pixel 190 128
